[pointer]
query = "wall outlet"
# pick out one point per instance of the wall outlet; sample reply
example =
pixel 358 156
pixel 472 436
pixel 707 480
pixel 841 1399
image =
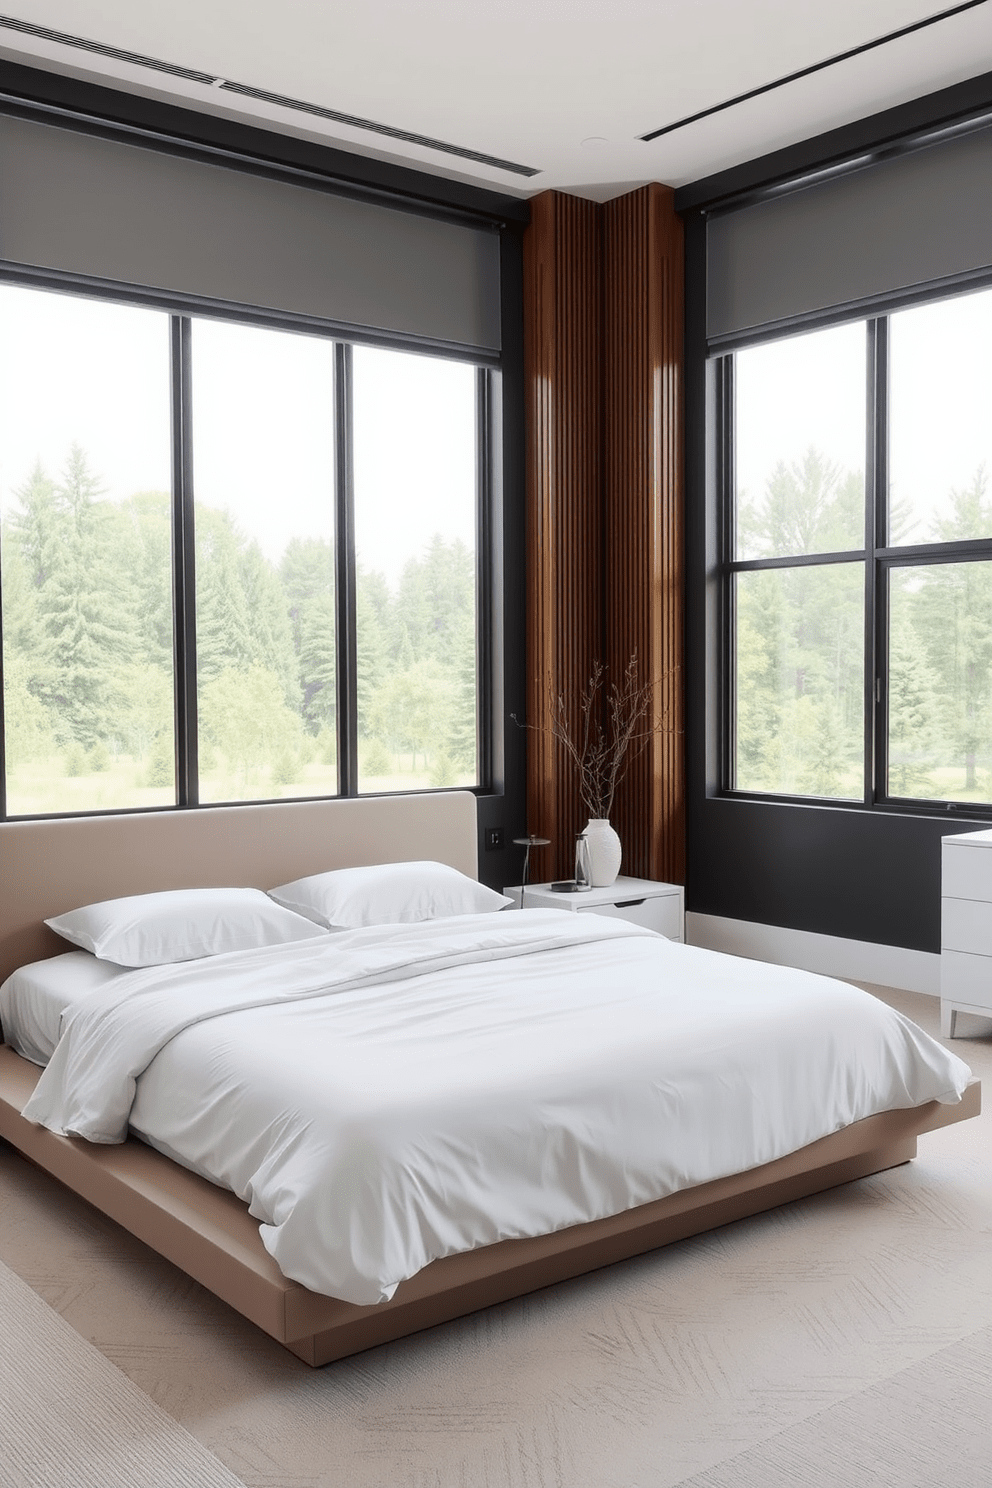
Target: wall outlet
pixel 494 839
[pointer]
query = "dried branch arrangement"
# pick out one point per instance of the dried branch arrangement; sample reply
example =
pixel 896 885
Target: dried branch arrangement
pixel 605 734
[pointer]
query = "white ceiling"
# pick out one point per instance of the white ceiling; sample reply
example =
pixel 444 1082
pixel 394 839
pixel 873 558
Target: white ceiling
pixel 565 86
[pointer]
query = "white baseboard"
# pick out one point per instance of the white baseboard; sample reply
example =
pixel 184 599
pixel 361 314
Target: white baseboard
pixel 858 960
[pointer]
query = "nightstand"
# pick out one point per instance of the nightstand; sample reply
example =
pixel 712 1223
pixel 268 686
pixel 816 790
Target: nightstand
pixel 965 928
pixel 658 906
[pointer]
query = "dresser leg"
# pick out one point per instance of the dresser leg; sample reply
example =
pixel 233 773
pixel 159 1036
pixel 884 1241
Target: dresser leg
pixel 948 1019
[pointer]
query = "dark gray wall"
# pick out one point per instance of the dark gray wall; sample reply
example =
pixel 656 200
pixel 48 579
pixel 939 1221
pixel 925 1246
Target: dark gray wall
pixel 869 874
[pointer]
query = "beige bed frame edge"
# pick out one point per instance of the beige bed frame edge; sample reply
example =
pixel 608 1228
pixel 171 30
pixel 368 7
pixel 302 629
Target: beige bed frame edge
pixel 210 1235
pixel 54 865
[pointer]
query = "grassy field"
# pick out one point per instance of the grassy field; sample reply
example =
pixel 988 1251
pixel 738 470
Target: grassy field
pixel 41 787
pixel 946 783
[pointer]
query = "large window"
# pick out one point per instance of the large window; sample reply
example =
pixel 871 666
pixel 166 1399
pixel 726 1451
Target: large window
pixel 415 538
pixel 263 480
pixel 858 559
pixel 85 471
pixel 238 562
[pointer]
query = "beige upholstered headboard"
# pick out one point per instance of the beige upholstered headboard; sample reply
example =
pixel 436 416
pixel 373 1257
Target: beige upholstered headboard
pixel 48 867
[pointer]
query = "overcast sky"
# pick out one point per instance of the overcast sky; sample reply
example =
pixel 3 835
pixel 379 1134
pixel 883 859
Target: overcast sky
pixel 810 390
pixel 79 371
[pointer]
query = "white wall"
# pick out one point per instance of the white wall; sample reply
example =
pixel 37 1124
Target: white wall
pixel 857 960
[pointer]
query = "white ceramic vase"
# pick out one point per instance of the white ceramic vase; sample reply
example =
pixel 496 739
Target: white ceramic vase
pixel 605 852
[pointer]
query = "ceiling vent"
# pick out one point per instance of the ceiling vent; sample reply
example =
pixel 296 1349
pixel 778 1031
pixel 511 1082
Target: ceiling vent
pixel 793 77
pixel 261 95
pixel 387 129
pixel 45 33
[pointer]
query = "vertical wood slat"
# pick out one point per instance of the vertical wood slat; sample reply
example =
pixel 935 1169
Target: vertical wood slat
pixel 563 372
pixel 603 290
pixel 644 590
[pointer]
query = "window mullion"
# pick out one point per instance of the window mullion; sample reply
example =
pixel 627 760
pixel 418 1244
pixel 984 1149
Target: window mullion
pixel 877 535
pixel 345 579
pixel 728 553
pixel 485 626
pixel 183 563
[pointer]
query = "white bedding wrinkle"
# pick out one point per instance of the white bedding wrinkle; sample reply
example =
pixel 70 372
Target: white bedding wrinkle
pixel 88 1085
pixel 34 998
pixel 397 1094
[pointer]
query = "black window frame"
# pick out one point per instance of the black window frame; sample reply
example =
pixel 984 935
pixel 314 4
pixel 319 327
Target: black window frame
pixel 182 310
pixel 878 556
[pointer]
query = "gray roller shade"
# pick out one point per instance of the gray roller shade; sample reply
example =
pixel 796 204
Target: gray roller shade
pixel 93 206
pixel 887 227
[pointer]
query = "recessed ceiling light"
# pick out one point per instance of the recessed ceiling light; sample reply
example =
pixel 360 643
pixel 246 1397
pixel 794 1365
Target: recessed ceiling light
pixel 595 141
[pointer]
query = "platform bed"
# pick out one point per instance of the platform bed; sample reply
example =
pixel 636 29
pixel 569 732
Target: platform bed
pixel 52 866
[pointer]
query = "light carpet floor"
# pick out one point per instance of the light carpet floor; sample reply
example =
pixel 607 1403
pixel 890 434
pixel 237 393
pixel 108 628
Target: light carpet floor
pixel 69 1419
pixel 843 1340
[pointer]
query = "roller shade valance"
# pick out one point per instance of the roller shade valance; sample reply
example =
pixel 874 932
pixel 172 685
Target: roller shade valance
pixel 84 204
pixel 905 221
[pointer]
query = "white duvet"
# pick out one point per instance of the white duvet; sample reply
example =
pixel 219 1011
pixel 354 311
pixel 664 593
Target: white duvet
pixel 388 1096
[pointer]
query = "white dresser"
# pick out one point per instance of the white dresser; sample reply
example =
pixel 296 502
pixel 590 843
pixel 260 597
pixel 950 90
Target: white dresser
pixel 659 906
pixel 965 927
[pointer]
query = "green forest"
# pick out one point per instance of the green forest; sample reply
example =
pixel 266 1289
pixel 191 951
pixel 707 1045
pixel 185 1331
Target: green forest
pixel 800 646
pixel 88 657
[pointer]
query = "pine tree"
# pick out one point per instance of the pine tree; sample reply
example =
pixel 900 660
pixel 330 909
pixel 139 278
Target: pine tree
pixel 436 594
pixel 307 576
pixel 800 634
pixel 29 547
pixel 222 620
pixel 952 616
pixel 270 634
pixel 85 602
pixel 149 518
pixel 373 623
pixel 461 743
pixel 23 632
pixel 318 664
pixel 35 527
pixel 913 702
pixel 809 506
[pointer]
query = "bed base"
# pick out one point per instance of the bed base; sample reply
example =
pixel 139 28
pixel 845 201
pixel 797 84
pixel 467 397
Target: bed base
pixel 208 1233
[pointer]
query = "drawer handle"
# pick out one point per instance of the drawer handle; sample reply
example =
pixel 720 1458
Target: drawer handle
pixel 627 903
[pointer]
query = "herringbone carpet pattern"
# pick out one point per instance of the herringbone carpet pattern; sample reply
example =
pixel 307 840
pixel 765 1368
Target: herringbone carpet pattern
pixel 844 1340
pixel 69 1419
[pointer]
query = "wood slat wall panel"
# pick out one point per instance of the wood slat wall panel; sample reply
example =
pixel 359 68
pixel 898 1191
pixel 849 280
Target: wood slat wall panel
pixel 563 371
pixel 603 292
pixel 643 339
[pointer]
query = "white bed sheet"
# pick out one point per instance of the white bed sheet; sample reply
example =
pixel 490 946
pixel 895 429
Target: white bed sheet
pixel 34 1000
pixel 399 1094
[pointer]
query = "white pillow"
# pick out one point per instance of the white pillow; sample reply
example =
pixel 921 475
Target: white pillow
pixel 387 894
pixel 180 925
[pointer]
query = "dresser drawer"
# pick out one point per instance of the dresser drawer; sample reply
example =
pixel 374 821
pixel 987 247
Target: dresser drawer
pixel 966 925
pixel 966 978
pixel 660 912
pixel 966 872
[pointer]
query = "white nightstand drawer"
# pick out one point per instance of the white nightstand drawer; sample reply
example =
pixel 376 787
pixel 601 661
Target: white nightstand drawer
pixel 659 913
pixel 966 978
pixel 966 872
pixel 642 901
pixel 966 925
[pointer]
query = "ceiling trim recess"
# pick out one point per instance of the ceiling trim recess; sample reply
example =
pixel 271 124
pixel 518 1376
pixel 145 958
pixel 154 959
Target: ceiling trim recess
pixel 793 77
pixel 261 95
